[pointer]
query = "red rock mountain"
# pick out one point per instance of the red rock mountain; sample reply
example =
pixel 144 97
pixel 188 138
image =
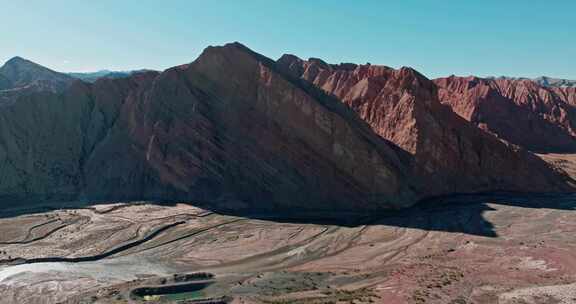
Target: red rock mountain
pixel 236 129
pixel 449 154
pixel 523 112
pixel 227 128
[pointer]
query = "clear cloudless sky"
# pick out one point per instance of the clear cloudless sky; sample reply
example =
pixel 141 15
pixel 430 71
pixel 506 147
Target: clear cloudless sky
pixel 438 38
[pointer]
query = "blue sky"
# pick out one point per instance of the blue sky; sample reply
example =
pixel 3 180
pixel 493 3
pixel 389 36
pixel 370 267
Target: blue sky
pixel 438 38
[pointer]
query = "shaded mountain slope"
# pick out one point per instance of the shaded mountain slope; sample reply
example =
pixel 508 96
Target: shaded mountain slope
pixel 5 83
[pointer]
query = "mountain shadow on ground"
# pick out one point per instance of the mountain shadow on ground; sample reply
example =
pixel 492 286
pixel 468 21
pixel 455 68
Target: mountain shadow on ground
pixel 463 213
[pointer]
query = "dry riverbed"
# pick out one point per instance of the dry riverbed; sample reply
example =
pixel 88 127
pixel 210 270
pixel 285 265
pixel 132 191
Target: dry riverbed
pixel 473 249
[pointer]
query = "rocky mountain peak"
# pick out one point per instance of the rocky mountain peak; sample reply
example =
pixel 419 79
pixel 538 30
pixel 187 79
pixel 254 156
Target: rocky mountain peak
pixel 17 60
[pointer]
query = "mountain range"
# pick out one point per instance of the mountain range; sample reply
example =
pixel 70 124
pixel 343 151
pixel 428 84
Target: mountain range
pixel 234 129
pixel 93 76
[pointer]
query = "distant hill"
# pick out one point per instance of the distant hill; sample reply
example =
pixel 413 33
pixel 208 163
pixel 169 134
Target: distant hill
pixel 543 80
pixel 93 76
pixel 5 83
pixel 555 82
pixel 19 73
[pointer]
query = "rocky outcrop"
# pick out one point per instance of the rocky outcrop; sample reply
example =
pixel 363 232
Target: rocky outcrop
pixel 450 154
pixel 227 128
pixel 19 72
pixel 523 112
